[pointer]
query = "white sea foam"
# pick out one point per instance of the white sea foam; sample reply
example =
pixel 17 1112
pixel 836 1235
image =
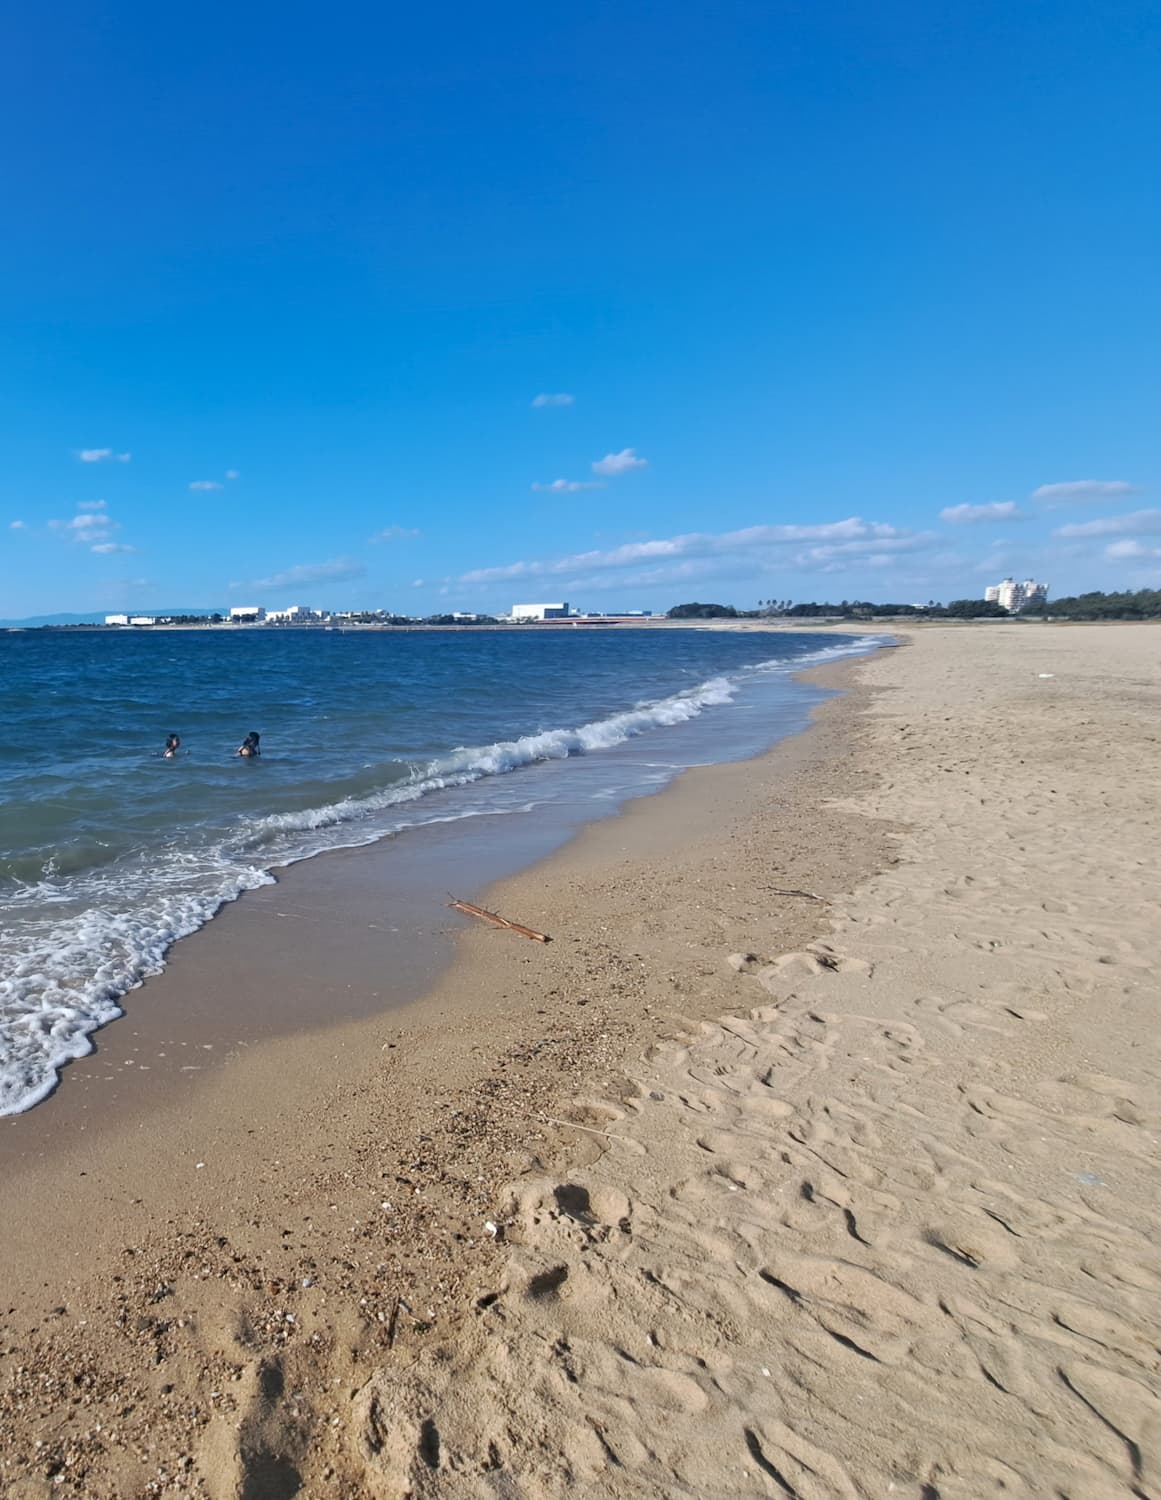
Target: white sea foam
pixel 66 982
pixel 92 939
pixel 465 765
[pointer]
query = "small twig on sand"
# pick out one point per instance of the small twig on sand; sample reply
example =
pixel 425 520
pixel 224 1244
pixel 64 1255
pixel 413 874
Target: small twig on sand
pixel 498 921
pixel 391 1322
pixel 572 1125
pixel 806 895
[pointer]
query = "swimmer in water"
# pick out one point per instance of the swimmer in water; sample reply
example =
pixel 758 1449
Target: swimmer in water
pixel 249 746
pixel 172 745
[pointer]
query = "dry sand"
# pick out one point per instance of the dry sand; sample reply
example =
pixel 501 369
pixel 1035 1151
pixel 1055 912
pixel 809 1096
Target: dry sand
pixel 890 1229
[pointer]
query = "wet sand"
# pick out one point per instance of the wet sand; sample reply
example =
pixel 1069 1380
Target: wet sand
pixel 893 1227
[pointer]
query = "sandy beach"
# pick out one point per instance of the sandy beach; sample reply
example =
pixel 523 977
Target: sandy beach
pixel 815 1156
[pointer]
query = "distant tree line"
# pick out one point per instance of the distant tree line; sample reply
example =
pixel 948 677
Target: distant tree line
pixel 863 609
pixel 1143 604
pixel 702 612
pixel 848 609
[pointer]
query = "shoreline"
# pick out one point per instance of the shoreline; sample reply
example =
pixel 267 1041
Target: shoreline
pixel 395 884
pixel 401 807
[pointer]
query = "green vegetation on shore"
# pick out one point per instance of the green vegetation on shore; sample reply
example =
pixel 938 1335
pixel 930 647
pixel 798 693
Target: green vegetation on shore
pixel 858 609
pixel 702 612
pixel 1143 604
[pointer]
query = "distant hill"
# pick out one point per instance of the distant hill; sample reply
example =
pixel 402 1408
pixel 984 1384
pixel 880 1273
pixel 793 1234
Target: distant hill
pixel 96 619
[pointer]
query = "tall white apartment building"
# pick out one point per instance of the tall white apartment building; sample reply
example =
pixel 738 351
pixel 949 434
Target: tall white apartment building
pixel 1016 596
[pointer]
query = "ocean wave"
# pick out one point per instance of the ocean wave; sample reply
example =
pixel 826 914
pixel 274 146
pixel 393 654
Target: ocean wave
pixel 465 765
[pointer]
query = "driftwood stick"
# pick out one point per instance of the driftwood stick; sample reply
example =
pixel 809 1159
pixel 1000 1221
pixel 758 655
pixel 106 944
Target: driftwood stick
pixel 497 921
pixel 572 1125
pixel 806 895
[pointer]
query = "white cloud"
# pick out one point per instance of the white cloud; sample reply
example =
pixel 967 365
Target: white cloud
pixel 995 510
pixel 91 505
pixel 102 455
pixel 1128 550
pixel 873 552
pixel 112 547
pixel 86 526
pixel 418 583
pixel 232 474
pixel 1077 490
pixel 1135 521
pixel 394 533
pixel 568 486
pixel 561 398
pixel 693 571
pixel 336 571
pixel 620 463
pixel 754 546
pixel 17 526
pixel 205 484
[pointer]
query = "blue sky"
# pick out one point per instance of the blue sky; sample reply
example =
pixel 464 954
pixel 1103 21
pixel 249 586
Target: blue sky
pixel 834 294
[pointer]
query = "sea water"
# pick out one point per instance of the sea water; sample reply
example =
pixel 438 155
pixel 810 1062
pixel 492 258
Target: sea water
pixel 109 853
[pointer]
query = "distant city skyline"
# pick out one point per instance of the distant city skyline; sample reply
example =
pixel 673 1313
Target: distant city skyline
pixel 628 307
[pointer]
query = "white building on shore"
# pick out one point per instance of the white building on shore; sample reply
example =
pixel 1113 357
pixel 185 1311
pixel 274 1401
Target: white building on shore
pixel 1015 596
pixel 293 614
pixel 116 619
pixel 247 613
pixel 539 612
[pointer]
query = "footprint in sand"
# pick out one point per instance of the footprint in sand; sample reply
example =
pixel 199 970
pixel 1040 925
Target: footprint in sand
pixel 859 1310
pixel 1131 1414
pixel 816 958
pixel 973 1241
